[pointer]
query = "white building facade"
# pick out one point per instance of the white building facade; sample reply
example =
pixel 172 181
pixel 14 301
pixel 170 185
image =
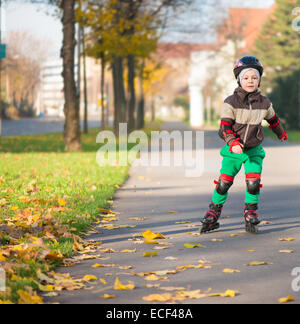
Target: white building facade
pixel 205 65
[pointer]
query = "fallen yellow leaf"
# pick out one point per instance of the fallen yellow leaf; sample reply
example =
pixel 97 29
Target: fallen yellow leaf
pixel 172 288
pixel 227 293
pixel 193 233
pixel 125 267
pixel 150 242
pixel 46 288
pixel 107 296
pixel 164 272
pixel 97 265
pixel 149 254
pixel 157 297
pixel 227 270
pixel 61 202
pixel 190 266
pixel 5 302
pixel 286 239
pixel 128 251
pixel 89 278
pixel 154 277
pixel 118 285
pixel 108 211
pixel 286 299
pixel 30 299
pixel 54 255
pixel 149 236
pixel 193 294
pixel 2 257
pixel 191 246
pixel 258 263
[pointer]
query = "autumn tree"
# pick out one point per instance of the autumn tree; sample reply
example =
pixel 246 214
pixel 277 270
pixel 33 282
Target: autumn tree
pixel 119 33
pixel 125 32
pixel 22 68
pixel 278 48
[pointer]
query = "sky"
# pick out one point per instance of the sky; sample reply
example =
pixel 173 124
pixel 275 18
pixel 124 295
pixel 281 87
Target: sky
pixel 21 15
pixel 37 19
pixel 200 21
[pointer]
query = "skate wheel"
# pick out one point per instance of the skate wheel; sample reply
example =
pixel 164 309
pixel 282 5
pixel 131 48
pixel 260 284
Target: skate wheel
pixel 252 229
pixel 205 228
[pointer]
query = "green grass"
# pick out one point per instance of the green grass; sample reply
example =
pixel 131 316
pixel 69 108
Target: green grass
pixel 38 179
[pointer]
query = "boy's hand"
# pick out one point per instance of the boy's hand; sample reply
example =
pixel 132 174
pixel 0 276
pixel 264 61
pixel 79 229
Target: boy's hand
pixel 237 149
pixel 283 137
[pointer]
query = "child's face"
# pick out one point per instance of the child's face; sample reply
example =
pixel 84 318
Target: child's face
pixel 250 81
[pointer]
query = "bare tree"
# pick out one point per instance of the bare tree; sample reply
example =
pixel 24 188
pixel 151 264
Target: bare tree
pixel 22 69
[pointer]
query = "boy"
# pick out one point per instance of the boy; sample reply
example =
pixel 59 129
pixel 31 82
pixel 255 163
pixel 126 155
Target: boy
pixel 241 118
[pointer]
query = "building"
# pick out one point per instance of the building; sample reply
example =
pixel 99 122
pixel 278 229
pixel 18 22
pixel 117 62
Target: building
pixel 50 96
pixel 50 99
pixel 236 37
pixel 203 72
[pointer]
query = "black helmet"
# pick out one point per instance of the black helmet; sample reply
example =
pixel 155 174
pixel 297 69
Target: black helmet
pixel 247 62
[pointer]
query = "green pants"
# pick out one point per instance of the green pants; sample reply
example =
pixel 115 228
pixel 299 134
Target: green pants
pixel 231 165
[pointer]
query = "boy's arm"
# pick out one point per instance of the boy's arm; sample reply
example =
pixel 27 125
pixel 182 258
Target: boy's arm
pixel 226 129
pixel 275 124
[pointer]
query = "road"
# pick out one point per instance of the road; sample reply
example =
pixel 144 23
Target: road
pixel 42 125
pixel 152 192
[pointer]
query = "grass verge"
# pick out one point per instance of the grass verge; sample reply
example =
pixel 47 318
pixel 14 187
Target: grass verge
pixel 48 200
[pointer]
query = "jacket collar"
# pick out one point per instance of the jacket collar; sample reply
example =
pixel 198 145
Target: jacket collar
pixel 247 96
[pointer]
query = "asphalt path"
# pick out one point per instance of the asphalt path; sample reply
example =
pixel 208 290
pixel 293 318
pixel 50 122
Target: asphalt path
pixel 173 204
pixel 42 125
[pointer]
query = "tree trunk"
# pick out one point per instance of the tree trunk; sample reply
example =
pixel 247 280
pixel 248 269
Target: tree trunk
pixel 103 109
pixel 85 95
pixel 108 96
pixel 117 116
pixel 131 89
pixel 141 101
pixel 119 93
pixel 152 110
pixel 72 134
